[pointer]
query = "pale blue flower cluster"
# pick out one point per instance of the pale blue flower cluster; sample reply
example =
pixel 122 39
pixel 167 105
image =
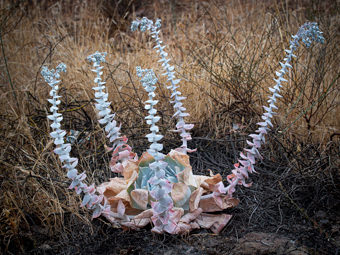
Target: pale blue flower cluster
pixel 309 32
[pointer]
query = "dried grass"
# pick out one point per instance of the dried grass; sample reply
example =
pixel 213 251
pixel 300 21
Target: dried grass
pixel 225 52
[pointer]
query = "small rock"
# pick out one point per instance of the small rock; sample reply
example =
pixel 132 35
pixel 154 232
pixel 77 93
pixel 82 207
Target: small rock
pixel 45 247
pixel 266 243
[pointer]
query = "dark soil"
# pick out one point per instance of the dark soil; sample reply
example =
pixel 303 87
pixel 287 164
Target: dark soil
pixel 290 209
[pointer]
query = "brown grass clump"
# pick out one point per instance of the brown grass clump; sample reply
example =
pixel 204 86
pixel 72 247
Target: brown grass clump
pixel 226 53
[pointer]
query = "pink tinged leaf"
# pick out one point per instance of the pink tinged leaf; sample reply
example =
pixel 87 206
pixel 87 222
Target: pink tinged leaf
pixel 116 168
pixel 257 143
pixel 251 157
pixel 96 199
pixel 107 148
pixel 157 230
pixel 159 208
pixel 254 136
pixel 78 189
pixel 244 163
pixel 170 227
pixel 250 143
pixel 191 150
pixel 243 156
pixel 251 169
pixel 237 174
pixel 246 184
pixel 91 189
pixel 107 210
pixel 231 188
pixel 219 188
pixel 244 172
pixel 164 218
pixel 121 208
pixel 230 178
pixel 123 154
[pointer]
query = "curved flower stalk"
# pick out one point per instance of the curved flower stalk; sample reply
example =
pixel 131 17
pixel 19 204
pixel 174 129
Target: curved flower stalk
pixel 307 33
pixel 162 208
pixel 90 199
pixel 181 126
pixel 121 151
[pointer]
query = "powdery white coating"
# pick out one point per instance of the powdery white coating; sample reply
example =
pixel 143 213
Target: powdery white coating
pixel 181 127
pixel 102 105
pixel 90 199
pixel 307 33
pixel 162 208
pixel 121 151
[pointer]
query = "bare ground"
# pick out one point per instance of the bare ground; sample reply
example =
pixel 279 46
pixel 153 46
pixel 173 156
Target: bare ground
pixel 287 211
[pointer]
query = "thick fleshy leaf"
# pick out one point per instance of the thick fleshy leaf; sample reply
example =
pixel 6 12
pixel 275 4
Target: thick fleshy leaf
pixel 72 173
pixel 139 198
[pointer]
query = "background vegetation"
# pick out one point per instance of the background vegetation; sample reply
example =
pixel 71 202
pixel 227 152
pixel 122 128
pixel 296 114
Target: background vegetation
pixel 225 52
